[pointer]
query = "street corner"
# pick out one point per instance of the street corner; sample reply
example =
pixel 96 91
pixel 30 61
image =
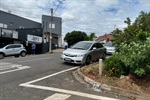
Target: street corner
pixel 111 89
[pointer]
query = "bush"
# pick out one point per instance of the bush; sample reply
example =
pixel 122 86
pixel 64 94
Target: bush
pixel 133 58
pixel 115 66
pixel 136 56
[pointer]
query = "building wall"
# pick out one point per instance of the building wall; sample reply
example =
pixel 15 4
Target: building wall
pixel 57 23
pixel 11 21
pixel 23 35
pixel 56 29
pixel 25 26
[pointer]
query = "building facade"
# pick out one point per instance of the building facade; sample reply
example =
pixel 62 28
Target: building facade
pixel 15 29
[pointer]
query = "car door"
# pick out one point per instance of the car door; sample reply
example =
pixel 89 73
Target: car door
pixel 9 50
pixel 17 49
pixel 99 50
pixel 93 52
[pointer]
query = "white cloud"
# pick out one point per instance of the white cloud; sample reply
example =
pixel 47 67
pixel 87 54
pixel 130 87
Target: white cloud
pixel 97 16
pixel 106 3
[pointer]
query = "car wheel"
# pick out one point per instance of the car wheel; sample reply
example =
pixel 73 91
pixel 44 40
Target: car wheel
pixel 88 60
pixel 104 56
pixel 1 56
pixel 23 54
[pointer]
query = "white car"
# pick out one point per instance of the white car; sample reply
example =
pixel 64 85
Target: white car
pixel 110 49
pixel 13 50
pixel 84 52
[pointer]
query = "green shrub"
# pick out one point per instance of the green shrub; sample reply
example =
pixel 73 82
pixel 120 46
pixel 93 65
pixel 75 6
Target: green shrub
pixel 136 56
pixel 133 58
pixel 114 65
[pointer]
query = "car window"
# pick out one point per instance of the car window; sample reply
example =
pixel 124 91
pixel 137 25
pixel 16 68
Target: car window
pixel 82 45
pixel 10 47
pixel 17 46
pixel 98 45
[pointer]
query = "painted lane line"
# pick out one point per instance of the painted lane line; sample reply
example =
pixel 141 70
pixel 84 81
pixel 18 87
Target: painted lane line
pixel 9 67
pixel 58 96
pixel 20 68
pixel 97 97
pixel 36 80
pixel 4 63
pixel 5 68
pixel 34 59
pixel 91 96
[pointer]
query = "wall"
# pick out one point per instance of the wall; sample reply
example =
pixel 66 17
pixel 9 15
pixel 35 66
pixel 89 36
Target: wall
pixel 56 21
pixel 15 22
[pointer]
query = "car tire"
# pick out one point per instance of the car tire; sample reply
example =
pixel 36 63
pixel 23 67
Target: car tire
pixel 88 60
pixel 23 54
pixel 1 55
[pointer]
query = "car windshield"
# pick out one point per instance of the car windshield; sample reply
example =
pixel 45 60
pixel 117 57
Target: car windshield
pixel 82 45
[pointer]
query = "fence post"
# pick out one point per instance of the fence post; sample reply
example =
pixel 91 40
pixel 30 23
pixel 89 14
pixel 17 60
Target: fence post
pixel 100 66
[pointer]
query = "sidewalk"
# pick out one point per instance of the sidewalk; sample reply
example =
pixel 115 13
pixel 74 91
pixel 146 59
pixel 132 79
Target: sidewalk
pixel 58 50
pixel 114 90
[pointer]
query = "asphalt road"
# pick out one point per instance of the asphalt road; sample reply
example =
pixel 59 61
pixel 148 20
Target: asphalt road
pixel 44 77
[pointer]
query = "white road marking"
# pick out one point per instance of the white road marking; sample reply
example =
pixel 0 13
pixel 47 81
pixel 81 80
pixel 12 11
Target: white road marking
pixel 19 68
pixel 4 63
pixel 36 80
pixel 34 59
pixel 92 96
pixel 5 66
pixel 58 96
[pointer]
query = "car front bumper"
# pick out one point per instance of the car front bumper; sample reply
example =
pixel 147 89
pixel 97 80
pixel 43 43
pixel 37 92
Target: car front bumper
pixel 76 60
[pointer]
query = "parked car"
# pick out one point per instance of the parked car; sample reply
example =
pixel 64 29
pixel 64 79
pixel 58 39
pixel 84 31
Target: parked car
pixel 13 50
pixel 84 52
pixel 110 48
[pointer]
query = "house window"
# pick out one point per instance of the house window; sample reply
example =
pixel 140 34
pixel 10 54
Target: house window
pixel 1 25
pixel 21 27
pixel 5 25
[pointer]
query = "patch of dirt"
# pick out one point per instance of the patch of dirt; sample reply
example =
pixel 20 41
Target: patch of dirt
pixel 141 85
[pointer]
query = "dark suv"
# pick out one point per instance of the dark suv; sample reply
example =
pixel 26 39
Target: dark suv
pixel 13 50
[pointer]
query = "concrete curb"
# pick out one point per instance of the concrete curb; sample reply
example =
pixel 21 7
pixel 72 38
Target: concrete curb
pixel 114 90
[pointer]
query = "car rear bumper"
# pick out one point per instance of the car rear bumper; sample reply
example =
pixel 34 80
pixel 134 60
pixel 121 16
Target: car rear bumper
pixel 110 52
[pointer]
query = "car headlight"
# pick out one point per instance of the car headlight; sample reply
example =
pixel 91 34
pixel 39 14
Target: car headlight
pixel 80 55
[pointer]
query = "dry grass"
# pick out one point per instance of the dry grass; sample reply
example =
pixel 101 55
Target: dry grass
pixel 141 85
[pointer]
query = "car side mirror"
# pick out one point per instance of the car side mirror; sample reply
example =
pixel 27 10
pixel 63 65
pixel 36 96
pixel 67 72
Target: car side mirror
pixel 94 48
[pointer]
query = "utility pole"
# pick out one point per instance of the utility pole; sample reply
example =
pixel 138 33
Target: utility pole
pixel 50 37
pixel 51 20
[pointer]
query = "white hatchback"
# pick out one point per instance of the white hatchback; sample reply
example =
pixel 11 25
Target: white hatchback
pixel 13 50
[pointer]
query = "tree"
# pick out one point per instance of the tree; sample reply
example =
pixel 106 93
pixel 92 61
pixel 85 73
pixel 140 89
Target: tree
pixel 75 36
pixel 134 31
pixel 128 21
pixel 134 54
pixel 92 36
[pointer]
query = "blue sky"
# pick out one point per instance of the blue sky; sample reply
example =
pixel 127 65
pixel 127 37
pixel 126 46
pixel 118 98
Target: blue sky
pixel 98 16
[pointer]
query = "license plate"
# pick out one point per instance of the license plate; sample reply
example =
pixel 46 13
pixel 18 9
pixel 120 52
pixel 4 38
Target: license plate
pixel 67 59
